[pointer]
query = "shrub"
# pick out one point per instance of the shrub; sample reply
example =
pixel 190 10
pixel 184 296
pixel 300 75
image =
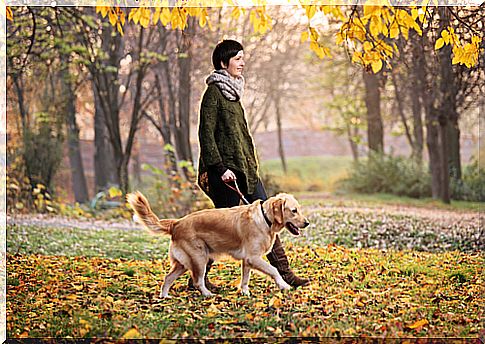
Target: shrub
pixel 174 193
pixel 22 196
pixel 471 187
pixel 382 173
pixel 42 152
pixel 271 184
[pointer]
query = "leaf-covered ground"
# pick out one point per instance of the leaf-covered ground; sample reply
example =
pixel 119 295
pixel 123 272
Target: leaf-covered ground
pixel 73 280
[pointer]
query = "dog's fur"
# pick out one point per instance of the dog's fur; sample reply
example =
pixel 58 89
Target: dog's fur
pixel 240 232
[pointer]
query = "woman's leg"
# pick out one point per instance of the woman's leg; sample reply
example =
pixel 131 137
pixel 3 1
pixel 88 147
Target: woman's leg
pixel 277 257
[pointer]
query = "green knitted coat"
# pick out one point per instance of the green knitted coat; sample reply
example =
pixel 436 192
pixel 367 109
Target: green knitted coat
pixel 224 137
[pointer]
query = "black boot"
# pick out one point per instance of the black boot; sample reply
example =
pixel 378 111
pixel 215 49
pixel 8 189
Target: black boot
pixel 208 284
pixel 277 258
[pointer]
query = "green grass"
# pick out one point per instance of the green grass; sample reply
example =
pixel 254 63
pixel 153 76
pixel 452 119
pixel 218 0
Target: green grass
pixel 133 244
pixel 380 200
pixel 307 176
pixel 308 173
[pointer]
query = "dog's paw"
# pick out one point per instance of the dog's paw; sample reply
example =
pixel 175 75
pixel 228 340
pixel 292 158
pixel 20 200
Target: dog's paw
pixel 207 294
pixel 136 219
pixel 245 291
pixel 284 286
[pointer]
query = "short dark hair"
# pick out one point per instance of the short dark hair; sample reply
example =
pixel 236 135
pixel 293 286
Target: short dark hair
pixel 224 51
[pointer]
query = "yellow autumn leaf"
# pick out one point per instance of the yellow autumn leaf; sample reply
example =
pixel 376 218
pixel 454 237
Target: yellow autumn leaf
pixel 357 57
pixel 439 43
pixel 274 302
pixel 310 11
pixel 212 310
pixel 236 13
pixel 203 18
pixel 145 17
pixel 376 66
pixel 103 10
pixel 394 31
pixel 156 16
pixel 114 192
pixel 132 334
pixel 175 18
pixel 304 36
pixel 419 323
pixel 166 16
pixel 134 15
pixel 260 305
pixel 113 18
pixel 9 13
pixel 414 13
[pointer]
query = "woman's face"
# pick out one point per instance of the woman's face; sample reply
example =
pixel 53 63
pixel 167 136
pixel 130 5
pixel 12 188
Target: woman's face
pixel 236 65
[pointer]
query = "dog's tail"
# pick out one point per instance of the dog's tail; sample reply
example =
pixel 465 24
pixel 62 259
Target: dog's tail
pixel 145 215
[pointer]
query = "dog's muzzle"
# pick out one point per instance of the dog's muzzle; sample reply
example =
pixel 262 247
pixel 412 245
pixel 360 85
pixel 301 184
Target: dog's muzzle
pixel 294 229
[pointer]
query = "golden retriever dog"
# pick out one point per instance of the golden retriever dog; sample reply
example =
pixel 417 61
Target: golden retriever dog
pixel 244 232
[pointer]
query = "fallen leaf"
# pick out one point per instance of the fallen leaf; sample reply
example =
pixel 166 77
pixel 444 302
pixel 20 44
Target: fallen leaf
pixel 132 334
pixel 419 323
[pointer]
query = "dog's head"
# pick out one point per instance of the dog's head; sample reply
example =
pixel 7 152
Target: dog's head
pixel 287 214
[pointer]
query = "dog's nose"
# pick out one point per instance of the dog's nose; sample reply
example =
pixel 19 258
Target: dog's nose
pixel 306 224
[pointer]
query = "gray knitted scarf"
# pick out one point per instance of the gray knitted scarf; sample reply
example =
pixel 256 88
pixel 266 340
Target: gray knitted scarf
pixel 231 88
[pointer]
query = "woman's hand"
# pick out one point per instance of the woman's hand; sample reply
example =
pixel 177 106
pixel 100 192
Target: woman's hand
pixel 228 176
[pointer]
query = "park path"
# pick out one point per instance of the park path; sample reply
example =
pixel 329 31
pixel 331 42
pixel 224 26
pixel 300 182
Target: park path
pixel 442 217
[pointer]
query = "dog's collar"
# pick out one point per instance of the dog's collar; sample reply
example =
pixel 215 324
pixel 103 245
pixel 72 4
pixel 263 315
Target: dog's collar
pixel 264 215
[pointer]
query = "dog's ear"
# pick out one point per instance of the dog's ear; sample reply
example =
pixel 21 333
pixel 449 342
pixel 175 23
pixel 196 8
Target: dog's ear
pixel 277 208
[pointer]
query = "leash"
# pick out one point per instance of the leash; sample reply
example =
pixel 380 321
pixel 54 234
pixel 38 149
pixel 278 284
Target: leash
pixel 238 191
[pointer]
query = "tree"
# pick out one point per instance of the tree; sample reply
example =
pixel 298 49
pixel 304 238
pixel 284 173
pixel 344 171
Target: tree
pixel 109 78
pixel 48 38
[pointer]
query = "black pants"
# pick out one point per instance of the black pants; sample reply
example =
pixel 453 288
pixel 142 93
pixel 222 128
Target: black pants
pixel 225 197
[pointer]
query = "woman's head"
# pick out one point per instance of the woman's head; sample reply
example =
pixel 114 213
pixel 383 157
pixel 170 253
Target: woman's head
pixel 228 54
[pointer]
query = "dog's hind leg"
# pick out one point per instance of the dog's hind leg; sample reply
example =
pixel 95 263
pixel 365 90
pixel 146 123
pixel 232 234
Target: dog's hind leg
pixel 246 274
pixel 175 272
pixel 198 274
pixel 263 266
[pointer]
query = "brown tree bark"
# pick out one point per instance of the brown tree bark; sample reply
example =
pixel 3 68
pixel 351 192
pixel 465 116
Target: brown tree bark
pixel 78 179
pixel 375 129
pixel 281 150
pixel 104 163
pixel 432 143
pixel 182 138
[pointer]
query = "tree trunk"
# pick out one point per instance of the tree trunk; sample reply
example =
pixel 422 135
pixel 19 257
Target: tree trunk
pixel 400 108
pixel 136 167
pixel 446 110
pixel 124 176
pixel 22 106
pixel 416 92
pixel 375 131
pixel 432 142
pixel 182 138
pixel 280 135
pixel 79 184
pixel 353 146
pixel 104 162
pixel 444 167
pixel 454 140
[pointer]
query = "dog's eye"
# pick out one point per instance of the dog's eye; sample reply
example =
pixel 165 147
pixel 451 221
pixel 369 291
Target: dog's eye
pixel 294 211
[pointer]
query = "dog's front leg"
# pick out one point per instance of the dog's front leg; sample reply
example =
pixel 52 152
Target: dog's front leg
pixel 263 266
pixel 246 274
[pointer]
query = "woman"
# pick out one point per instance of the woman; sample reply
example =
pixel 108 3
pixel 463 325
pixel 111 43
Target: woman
pixel 227 151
